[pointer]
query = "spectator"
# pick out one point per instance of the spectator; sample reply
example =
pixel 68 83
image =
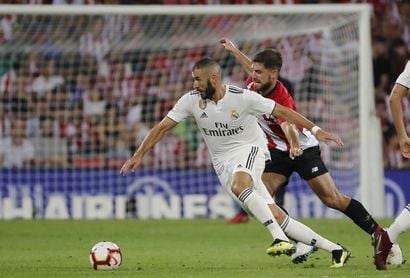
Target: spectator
pixel 392 155
pixel 75 130
pixel 135 36
pixel 50 150
pixel 48 79
pixel 237 77
pixel 295 61
pixel 116 135
pixel 16 151
pixel 134 114
pixel 94 102
pixel 381 66
pixel 398 57
pixel 95 144
pixel 7 77
pixel 169 152
pixel 6 26
pixel 94 42
pixel 80 86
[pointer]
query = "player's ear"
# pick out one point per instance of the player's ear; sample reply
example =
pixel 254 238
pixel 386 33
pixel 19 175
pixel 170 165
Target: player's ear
pixel 214 79
pixel 274 74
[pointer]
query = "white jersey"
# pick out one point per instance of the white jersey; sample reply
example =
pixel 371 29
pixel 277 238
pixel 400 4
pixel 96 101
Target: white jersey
pixel 229 124
pixel 15 156
pixel 404 77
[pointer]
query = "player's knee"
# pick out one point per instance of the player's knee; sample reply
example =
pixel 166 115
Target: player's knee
pixel 329 202
pixel 237 188
pixel 335 201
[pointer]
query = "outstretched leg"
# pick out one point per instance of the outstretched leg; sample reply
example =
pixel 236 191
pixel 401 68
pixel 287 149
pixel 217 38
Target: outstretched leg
pixel 302 233
pixel 326 190
pixel 400 224
pixel 384 240
pixel 242 187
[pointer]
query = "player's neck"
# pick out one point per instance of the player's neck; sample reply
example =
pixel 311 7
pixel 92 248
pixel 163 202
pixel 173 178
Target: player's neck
pixel 270 89
pixel 220 93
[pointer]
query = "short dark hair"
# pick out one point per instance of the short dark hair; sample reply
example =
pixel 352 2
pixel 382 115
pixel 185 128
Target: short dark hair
pixel 270 58
pixel 205 63
pixel 209 65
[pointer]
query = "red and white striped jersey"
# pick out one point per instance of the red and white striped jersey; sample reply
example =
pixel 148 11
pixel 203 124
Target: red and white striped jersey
pixel 271 125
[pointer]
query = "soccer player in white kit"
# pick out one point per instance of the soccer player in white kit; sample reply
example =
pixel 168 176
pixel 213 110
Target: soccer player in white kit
pixel 226 116
pixel 384 240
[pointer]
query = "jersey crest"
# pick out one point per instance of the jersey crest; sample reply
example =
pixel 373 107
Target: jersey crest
pixel 234 115
pixel 202 104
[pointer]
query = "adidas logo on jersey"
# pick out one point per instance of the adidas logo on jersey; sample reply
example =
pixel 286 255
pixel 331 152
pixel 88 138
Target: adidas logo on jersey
pixel 204 115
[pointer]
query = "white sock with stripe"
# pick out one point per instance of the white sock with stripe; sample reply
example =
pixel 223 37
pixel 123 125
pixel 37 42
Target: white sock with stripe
pixel 260 209
pixel 400 224
pixel 300 232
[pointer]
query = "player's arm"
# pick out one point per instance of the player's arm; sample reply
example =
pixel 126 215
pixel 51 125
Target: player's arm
pixel 298 119
pixel 292 135
pixel 397 94
pixel 290 130
pixel 244 60
pixel 155 134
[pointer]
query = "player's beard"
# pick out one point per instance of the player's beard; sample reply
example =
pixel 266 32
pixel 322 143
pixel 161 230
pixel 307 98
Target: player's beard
pixel 209 91
pixel 264 88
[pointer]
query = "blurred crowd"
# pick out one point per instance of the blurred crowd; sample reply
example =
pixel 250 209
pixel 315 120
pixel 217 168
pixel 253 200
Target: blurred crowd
pixel 379 4
pixel 67 99
pixel 391 51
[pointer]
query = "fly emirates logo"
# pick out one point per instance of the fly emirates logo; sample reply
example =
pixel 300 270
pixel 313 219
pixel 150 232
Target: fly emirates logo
pixel 222 129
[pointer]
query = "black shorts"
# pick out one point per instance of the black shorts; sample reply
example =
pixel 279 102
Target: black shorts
pixel 309 165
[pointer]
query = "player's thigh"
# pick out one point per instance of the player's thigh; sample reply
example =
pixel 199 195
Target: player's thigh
pixel 224 173
pixel 254 171
pixel 277 170
pixel 243 168
pixel 323 186
pixel 312 169
pixel 273 181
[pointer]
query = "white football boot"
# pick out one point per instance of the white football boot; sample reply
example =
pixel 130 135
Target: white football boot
pixel 395 256
pixel 303 251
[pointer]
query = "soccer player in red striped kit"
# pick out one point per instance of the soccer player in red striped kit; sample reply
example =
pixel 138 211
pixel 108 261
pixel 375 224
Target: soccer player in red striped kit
pixel 292 148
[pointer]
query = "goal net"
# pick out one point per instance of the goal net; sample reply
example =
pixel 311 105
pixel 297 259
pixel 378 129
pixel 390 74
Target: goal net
pixel 81 87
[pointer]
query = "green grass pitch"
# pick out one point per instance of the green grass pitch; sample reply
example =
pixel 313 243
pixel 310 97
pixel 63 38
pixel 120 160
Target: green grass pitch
pixel 179 248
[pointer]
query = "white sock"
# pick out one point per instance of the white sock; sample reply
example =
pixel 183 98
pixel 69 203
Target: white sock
pixel 400 224
pixel 260 209
pixel 300 232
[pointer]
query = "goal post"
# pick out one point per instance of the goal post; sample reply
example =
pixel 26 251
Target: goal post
pixel 372 179
pixel 89 81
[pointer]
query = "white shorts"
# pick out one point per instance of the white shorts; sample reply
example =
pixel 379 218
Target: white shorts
pixel 249 159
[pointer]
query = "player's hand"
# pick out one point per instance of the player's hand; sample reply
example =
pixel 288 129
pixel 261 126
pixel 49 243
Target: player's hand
pixel 295 152
pixel 325 136
pixel 228 44
pixel 131 164
pixel 405 147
